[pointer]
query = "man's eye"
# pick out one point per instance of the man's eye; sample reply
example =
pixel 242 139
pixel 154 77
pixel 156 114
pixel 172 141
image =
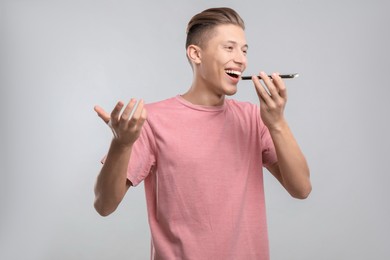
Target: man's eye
pixel 230 48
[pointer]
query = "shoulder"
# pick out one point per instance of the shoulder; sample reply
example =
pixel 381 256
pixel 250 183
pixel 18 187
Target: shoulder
pixel 245 112
pixel 163 110
pixel 243 106
pixel 162 106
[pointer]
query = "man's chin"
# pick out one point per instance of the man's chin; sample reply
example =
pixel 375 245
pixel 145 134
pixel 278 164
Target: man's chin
pixel 231 91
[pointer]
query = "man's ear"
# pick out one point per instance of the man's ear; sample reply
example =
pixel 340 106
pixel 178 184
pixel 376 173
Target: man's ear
pixel 194 54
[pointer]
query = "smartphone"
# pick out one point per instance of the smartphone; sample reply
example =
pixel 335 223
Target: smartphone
pixel 283 76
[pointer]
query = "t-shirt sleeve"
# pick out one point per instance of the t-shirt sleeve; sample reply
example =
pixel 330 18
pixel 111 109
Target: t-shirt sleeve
pixel 142 159
pixel 267 145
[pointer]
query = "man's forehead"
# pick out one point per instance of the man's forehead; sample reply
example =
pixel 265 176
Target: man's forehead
pixel 231 34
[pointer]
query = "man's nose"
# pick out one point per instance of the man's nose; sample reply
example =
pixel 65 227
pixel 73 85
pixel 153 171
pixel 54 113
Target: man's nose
pixel 240 58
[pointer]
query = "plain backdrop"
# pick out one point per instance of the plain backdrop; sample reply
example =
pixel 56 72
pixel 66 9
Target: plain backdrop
pixel 60 58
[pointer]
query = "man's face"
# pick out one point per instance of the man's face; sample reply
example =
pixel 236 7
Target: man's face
pixel 223 59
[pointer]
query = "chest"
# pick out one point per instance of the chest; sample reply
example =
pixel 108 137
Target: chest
pixel 206 141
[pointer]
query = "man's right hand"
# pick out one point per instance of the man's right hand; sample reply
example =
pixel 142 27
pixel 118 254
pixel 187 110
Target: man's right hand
pixel 126 129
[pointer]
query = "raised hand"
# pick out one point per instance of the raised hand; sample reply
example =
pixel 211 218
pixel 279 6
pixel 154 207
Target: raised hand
pixel 125 127
pixel 272 104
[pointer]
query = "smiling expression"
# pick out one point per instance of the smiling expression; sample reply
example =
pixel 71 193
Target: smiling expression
pixel 222 60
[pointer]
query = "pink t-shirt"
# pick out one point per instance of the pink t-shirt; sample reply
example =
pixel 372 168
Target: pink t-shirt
pixel 202 170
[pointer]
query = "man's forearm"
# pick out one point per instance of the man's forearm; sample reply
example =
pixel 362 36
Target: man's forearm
pixel 111 184
pixel 294 171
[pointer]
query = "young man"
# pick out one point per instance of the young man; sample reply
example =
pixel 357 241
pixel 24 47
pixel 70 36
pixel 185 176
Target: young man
pixel 201 155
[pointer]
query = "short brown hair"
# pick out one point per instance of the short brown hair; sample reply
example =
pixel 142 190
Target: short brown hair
pixel 200 26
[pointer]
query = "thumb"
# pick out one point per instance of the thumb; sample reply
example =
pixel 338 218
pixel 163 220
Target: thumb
pixel 102 114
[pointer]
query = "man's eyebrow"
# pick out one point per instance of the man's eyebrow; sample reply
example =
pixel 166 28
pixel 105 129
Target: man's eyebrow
pixel 235 43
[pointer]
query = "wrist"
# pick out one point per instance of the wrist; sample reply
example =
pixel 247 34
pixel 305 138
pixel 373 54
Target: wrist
pixel 278 127
pixel 120 146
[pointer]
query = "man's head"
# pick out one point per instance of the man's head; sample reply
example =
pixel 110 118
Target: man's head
pixel 216 49
pixel 201 27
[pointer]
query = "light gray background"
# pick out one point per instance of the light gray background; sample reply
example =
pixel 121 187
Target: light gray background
pixel 60 58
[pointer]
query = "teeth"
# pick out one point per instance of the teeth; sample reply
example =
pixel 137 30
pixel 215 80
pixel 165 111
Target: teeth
pixel 233 72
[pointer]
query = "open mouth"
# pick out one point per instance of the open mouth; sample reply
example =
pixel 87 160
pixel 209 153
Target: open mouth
pixel 233 73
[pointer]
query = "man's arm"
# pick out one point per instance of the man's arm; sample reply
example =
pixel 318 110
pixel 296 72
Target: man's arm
pixel 112 183
pixel 291 169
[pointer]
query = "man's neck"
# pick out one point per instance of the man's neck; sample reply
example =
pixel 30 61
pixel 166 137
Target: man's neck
pixel 198 94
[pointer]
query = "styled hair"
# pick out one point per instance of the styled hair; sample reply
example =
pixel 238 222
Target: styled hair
pixel 200 27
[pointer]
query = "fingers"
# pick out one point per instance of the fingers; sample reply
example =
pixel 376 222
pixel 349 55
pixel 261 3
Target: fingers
pixel 127 111
pixel 126 126
pixel 273 91
pixel 102 114
pixel 139 116
pixel 274 88
pixel 279 83
pixel 260 90
pixel 133 115
pixel 116 115
pixel 115 112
